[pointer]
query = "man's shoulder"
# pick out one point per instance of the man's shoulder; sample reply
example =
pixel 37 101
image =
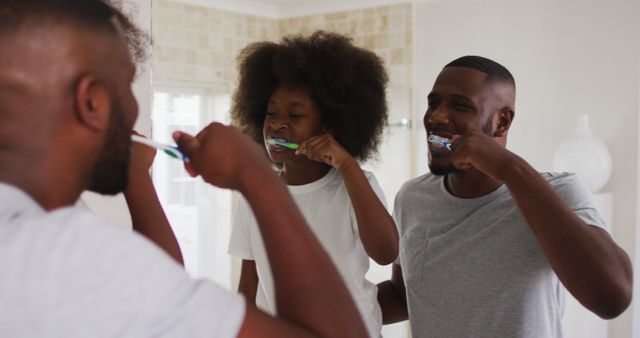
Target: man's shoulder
pixel 562 179
pixel 558 176
pixel 83 222
pixel 80 233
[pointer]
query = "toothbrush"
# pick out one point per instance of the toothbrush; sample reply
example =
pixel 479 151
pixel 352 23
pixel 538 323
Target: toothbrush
pixel 172 151
pixel 439 141
pixel 282 143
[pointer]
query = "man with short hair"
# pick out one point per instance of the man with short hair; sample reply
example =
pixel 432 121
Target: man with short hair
pixel 488 243
pixel 66 116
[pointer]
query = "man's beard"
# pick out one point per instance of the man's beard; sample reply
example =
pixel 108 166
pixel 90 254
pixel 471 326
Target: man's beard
pixel 111 172
pixel 450 168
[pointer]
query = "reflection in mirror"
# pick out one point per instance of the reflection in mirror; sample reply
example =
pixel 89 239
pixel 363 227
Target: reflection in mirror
pixel 194 75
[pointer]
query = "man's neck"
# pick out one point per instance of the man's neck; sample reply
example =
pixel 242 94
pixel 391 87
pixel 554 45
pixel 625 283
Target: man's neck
pixel 470 184
pixel 41 182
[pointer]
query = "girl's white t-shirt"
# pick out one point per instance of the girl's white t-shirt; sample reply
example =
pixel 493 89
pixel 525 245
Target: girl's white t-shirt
pixel 327 208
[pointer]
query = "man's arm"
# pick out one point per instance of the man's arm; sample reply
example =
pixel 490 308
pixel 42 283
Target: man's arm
pixel 589 263
pixel 586 259
pixel 311 298
pixel 147 215
pixel 392 296
pixel 248 285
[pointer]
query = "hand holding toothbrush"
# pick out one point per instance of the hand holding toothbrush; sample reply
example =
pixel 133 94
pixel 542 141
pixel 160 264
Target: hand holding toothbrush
pixel 324 148
pixel 172 151
pixel 477 150
pixel 223 156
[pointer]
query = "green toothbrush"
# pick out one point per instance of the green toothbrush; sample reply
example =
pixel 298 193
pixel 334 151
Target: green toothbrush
pixel 283 143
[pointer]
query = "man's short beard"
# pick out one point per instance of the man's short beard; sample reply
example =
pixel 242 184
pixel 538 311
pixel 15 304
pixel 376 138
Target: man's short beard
pixel 443 171
pixel 439 171
pixel 111 172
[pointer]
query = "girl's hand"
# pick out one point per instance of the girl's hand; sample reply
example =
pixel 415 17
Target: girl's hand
pixel 324 148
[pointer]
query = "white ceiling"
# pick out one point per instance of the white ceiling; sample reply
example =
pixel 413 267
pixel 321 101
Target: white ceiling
pixel 283 2
pixel 278 9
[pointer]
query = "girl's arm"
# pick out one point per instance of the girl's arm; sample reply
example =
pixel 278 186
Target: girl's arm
pixel 248 285
pixel 147 215
pixel 376 227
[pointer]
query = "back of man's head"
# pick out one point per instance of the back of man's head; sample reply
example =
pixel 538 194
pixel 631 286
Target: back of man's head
pixel 495 71
pixel 65 93
pixel 45 45
pixel 84 14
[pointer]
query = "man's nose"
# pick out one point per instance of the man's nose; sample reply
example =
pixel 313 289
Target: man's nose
pixel 439 116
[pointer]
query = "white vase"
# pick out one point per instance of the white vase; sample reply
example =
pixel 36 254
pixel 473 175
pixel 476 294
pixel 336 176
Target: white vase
pixel 584 154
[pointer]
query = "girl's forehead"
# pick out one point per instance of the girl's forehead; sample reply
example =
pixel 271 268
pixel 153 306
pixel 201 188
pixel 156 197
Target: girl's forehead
pixel 291 97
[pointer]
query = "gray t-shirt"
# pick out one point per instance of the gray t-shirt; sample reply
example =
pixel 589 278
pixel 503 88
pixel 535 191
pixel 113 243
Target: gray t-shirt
pixel 473 268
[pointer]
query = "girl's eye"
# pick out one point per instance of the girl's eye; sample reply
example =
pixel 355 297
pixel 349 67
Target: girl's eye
pixel 295 116
pixel 270 114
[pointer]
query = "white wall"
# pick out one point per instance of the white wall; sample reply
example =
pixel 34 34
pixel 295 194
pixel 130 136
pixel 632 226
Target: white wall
pixel 568 57
pixel 636 290
pixel 115 208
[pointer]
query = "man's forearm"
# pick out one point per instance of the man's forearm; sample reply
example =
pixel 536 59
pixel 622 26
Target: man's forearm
pixel 147 215
pixel 587 261
pixel 392 304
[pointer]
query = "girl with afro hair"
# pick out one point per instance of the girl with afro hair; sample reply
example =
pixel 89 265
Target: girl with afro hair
pixel 318 106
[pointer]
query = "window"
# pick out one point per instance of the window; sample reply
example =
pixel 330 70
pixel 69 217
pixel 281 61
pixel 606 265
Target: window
pixel 199 213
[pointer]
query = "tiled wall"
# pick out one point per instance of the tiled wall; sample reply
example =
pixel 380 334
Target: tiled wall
pixel 198 45
pixel 194 45
pixel 386 30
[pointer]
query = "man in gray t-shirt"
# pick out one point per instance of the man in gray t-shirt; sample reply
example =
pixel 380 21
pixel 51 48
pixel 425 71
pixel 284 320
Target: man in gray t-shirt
pixel 487 243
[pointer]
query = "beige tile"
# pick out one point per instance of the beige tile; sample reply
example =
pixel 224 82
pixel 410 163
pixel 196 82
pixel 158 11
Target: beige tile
pixel 382 23
pixel 408 38
pixel 382 10
pixel 356 14
pixel 354 27
pixel 382 41
pixel 397 22
pixel 368 24
pixel 397 56
pixel 370 12
pixel 397 40
pixel 369 42
pixel 336 16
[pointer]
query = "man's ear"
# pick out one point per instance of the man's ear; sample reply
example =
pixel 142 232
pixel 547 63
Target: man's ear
pixel 93 104
pixel 504 118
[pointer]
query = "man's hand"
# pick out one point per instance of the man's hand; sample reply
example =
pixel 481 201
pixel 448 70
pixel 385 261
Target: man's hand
pixel 142 157
pixel 222 155
pixel 476 149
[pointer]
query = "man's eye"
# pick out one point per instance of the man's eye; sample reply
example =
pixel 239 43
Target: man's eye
pixel 461 106
pixel 270 114
pixel 295 116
